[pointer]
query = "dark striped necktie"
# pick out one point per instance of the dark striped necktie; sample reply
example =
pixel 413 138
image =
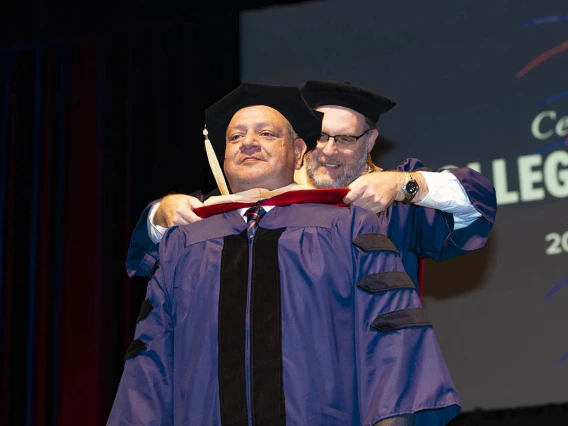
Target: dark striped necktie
pixel 254 214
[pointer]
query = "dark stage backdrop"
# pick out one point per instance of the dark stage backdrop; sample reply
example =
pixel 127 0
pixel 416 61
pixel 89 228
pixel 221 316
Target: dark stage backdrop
pixel 92 128
pixel 478 84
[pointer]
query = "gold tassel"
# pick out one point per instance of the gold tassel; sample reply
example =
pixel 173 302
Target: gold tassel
pixel 214 164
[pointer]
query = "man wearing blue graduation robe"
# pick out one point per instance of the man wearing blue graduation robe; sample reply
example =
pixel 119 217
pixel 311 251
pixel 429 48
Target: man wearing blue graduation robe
pixel 309 319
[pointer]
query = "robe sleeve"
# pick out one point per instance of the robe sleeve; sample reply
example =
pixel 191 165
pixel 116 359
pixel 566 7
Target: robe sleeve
pixel 144 394
pixel 433 232
pixel 142 251
pixel 400 367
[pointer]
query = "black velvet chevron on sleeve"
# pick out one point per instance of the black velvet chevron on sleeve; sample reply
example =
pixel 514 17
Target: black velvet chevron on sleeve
pixel 134 349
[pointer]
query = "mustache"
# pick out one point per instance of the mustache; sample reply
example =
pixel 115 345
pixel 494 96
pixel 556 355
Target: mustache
pixel 330 161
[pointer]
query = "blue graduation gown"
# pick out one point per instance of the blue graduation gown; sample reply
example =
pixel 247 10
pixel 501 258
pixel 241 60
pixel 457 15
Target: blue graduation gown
pixel 314 322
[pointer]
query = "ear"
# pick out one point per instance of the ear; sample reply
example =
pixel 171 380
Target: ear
pixel 299 151
pixel 374 134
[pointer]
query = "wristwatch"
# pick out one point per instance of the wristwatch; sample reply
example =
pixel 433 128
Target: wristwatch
pixel 410 188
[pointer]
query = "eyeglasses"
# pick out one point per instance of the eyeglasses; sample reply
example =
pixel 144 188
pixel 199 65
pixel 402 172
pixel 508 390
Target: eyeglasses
pixel 342 140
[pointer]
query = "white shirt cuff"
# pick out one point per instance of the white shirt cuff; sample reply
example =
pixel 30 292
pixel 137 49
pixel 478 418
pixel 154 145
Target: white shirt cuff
pixel 446 193
pixel 155 232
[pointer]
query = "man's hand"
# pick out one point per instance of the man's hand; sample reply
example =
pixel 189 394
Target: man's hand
pixel 378 190
pixel 176 209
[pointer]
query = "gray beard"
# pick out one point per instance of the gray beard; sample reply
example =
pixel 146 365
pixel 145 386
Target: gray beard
pixel 342 181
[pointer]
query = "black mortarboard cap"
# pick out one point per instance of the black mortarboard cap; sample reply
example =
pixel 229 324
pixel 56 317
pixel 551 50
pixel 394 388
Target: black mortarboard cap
pixel 286 99
pixel 370 104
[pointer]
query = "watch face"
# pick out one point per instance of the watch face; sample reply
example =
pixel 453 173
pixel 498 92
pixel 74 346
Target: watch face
pixel 412 187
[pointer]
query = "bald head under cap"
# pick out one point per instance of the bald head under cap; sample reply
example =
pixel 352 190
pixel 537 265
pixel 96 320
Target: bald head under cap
pixel 366 102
